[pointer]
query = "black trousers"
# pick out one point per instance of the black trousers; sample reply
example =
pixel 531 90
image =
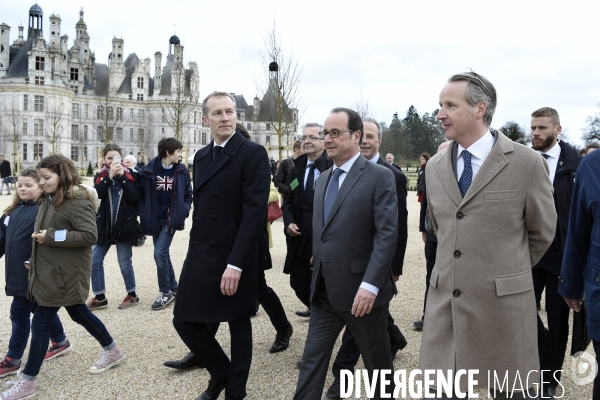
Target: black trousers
pixel 271 303
pixel 552 342
pixel 199 337
pixel 430 250
pixel 300 279
pixel 349 352
pixel 325 325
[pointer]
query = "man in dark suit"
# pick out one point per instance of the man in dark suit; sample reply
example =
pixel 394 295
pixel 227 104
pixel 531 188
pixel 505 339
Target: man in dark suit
pixel 355 226
pixel 563 161
pixel 389 158
pixel 298 212
pixel 349 352
pixel 231 190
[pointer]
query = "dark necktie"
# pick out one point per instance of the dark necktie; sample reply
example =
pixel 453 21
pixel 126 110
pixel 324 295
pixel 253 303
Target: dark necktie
pixel 216 151
pixel 467 176
pixel 309 189
pixel 332 190
pixel 545 155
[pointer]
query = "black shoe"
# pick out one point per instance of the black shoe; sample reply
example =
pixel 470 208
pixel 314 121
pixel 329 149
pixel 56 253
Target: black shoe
pixel 334 390
pixel 548 392
pixel 418 325
pixel 213 390
pixel 396 347
pixel 187 362
pixel 282 340
pixel 305 313
pixel 299 364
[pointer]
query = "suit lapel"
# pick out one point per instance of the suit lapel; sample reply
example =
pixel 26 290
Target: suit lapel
pixel 446 173
pixel 493 164
pixel 201 163
pixel 351 178
pixel 229 151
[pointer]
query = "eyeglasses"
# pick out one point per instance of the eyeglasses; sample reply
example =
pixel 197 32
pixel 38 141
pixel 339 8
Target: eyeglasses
pixel 333 133
pixel 310 138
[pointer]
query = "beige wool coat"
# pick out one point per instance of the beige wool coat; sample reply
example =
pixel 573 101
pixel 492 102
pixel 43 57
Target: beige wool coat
pixel 481 312
pixel 60 271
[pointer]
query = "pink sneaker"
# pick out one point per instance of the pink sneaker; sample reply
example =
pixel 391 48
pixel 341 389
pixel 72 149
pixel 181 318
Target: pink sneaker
pixel 109 359
pixel 56 350
pixel 22 389
pixel 7 367
pixel 129 301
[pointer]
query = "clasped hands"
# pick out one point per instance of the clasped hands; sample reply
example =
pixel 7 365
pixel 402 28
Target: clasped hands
pixel 39 236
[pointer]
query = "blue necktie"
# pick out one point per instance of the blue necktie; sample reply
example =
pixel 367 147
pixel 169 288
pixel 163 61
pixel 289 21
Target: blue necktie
pixel 467 176
pixel 332 190
pixel 309 189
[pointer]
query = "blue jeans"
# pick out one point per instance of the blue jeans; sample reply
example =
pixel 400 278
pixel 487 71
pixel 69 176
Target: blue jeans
pixel 40 331
pixel 166 276
pixel 2 184
pixel 20 314
pixel 124 258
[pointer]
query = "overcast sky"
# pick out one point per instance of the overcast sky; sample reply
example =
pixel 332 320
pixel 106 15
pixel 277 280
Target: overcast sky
pixel 398 53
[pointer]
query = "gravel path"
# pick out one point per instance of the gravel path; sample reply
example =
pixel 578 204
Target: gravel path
pixel 148 337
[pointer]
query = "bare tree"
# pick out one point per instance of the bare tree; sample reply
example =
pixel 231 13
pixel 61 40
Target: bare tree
pixel 109 116
pixel 362 107
pixel 282 100
pixel 12 125
pixel 143 136
pixel 180 106
pixel 55 122
pixel 592 131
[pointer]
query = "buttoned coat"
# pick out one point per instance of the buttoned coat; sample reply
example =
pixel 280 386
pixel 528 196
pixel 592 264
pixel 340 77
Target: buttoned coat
pixel 358 241
pixel 231 195
pixel 481 311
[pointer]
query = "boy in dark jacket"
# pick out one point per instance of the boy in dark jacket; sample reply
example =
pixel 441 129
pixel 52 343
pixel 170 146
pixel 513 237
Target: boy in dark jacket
pixel 167 199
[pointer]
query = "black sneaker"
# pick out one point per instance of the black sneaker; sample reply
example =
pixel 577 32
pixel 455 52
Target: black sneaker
pixel 162 301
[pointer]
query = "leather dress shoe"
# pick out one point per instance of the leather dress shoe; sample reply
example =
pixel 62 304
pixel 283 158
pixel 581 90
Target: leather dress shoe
pixel 282 340
pixel 213 390
pixel 418 325
pixel 398 346
pixel 334 390
pixel 187 362
pixel 305 313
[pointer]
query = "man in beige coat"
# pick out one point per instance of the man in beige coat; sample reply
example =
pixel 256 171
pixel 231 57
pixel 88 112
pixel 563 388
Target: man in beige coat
pixel 492 209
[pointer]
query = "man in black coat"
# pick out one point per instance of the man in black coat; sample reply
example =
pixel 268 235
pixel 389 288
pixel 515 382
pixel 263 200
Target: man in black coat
pixel 283 176
pixel 563 161
pixel 219 277
pixel 349 352
pixel 5 172
pixel 298 212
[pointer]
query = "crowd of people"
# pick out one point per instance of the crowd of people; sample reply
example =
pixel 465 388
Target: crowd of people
pixel 501 223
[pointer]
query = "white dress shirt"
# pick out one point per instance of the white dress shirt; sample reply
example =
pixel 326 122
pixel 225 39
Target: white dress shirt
pixel 479 152
pixel 552 160
pixel 375 158
pixel 346 167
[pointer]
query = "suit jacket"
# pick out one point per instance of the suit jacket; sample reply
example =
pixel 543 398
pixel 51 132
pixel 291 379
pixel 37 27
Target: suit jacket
pixel 298 209
pixel 400 178
pixel 481 310
pixel 358 240
pixel 230 212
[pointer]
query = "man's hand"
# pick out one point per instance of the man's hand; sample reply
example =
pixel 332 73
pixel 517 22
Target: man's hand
pixel 424 236
pixel 230 281
pixel 363 303
pixel 293 230
pixel 574 304
pixel 39 236
pixel 396 277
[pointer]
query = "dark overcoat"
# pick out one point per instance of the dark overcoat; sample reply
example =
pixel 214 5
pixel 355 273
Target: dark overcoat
pixel 230 212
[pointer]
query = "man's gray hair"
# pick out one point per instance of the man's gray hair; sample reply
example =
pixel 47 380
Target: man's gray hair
pixel 377 124
pixel 311 125
pixel 130 157
pixel 216 94
pixel 479 89
pixel 389 154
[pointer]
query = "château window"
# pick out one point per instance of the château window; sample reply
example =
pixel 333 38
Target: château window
pixel 203 137
pixel 119 113
pixel 38 103
pixel 140 135
pixel 24 151
pixel 25 102
pixel 268 139
pixel 38 151
pixel 75 132
pixel 248 126
pixel 142 115
pixel 140 97
pixel 140 82
pixel 100 112
pixel 119 135
pixel 85 111
pixel 268 126
pixel 75 110
pixel 85 133
pixel 164 117
pixel 131 134
pixel 25 127
pixel 39 63
pixel 39 80
pixel 195 136
pixel 110 114
pixel 100 132
pixel 75 153
pixel 74 74
pixel 38 127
